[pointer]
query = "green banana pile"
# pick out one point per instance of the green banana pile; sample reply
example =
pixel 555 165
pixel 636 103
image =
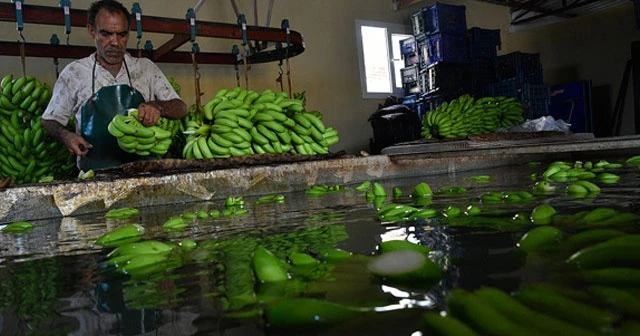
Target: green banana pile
pixel 26 152
pixel 243 122
pixel 465 116
pixel 134 137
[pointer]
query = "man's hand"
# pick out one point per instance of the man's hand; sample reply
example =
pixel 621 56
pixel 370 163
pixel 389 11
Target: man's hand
pixel 148 114
pixel 76 144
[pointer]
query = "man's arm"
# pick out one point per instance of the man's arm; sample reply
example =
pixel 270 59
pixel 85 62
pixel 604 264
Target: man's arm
pixel 75 143
pixel 150 112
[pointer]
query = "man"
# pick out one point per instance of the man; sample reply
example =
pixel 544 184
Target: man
pixel 106 83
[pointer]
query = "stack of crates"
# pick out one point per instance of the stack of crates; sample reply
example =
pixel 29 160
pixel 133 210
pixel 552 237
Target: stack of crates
pixel 519 75
pixel 439 32
pixel 482 45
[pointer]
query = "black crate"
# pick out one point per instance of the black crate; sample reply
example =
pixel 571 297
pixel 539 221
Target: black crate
pixel 505 88
pixel 483 42
pixel 392 125
pixel 523 67
pixel 481 74
pixel 411 88
pixel 409 74
pixel 443 18
pixel 442 78
pixel 536 108
pixel 442 47
pixel 532 92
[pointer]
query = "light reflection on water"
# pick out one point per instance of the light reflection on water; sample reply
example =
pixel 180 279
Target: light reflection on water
pixel 53 279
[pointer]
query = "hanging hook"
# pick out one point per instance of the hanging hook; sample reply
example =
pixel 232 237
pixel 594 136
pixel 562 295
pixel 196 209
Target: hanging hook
pixel 242 21
pixel 137 12
pixel 19 20
pixel 235 51
pixel 55 41
pixel 66 8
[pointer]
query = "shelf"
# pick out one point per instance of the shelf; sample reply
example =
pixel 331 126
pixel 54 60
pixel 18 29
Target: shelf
pixel 166 53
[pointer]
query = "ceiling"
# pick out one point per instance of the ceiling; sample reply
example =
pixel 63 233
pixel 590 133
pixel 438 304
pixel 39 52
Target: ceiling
pixel 530 13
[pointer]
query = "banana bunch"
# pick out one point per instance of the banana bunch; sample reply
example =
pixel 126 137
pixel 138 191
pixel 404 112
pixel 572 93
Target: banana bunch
pixel 134 137
pixel 242 122
pixel 26 152
pixel 25 95
pixel 465 116
pixel 309 134
pixel 175 85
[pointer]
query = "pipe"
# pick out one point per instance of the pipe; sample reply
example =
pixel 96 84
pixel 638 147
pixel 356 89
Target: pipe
pixel 198 5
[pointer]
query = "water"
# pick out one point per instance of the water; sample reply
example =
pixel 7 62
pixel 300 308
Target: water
pixel 54 280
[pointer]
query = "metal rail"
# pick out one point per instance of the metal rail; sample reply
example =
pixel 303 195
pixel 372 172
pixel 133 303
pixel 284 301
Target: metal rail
pixel 179 28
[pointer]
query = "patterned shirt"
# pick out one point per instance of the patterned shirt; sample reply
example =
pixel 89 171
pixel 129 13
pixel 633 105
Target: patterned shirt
pixel 73 87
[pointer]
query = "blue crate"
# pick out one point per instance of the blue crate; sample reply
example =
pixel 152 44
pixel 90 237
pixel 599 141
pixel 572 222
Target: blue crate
pixel 411 88
pixel 523 67
pixel 408 46
pixel 443 18
pixel 417 22
pixel 483 42
pixel 442 47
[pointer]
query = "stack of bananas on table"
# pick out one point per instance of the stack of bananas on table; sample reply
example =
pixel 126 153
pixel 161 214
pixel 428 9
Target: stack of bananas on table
pixel 26 152
pixel 134 137
pixel 242 122
pixel 465 116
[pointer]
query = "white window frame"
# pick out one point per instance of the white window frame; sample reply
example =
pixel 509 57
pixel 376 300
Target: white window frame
pixel 392 28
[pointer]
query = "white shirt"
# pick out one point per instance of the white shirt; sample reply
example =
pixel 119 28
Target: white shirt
pixel 73 87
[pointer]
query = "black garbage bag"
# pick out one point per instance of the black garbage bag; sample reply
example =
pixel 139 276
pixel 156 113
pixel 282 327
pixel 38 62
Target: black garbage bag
pixel 392 125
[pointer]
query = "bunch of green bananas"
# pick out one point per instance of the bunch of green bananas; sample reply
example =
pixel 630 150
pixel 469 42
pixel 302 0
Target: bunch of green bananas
pixel 465 116
pixel 242 122
pixel 134 137
pixel 175 85
pixel 26 153
pixel 310 136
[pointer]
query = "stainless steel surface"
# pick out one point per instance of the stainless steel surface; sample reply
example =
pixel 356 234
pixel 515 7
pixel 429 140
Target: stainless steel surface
pixel 82 197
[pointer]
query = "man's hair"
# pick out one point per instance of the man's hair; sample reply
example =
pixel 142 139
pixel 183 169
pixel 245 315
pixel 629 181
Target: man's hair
pixel 112 6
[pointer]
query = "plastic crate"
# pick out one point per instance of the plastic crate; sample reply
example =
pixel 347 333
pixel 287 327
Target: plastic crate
pixel 410 60
pixel 408 46
pixel 536 108
pixel 535 92
pixel 442 48
pixel 482 74
pixel 443 18
pixel 417 22
pixel 411 88
pixel 483 42
pixel 392 125
pixel 442 78
pixel 523 67
pixel 409 74
pixel 410 101
pixel 506 88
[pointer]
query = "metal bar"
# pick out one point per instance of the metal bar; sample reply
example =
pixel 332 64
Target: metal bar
pixel 574 5
pixel 618 109
pixel 513 4
pixel 530 4
pixel 75 52
pixel 175 42
pixel 235 7
pixel 152 24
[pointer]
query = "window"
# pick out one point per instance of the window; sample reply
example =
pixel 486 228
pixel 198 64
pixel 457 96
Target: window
pixel 380 58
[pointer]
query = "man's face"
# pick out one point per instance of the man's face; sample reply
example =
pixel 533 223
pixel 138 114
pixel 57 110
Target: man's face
pixel 110 34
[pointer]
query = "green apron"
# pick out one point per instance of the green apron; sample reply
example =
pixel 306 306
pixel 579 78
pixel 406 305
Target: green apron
pixel 96 114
